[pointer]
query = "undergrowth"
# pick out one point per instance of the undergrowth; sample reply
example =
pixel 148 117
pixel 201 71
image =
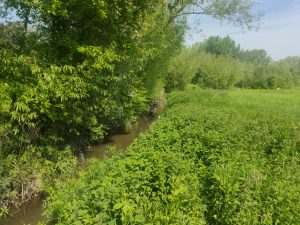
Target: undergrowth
pixel 210 159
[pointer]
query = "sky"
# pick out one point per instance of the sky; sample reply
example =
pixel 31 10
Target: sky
pixel 278 33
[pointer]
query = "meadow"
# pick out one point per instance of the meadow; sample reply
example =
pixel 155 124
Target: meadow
pixel 213 157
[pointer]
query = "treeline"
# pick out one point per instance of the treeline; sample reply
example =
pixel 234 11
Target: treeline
pixel 221 63
pixel 73 71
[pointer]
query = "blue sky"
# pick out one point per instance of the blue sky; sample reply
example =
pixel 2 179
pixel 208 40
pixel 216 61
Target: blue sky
pixel 279 30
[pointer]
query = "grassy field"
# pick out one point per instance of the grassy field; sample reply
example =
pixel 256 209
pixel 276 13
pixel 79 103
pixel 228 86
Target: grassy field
pixel 213 157
pixel 276 101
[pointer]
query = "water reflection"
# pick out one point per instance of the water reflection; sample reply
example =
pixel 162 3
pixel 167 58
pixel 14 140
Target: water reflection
pixel 120 141
pixel 32 213
pixel 29 214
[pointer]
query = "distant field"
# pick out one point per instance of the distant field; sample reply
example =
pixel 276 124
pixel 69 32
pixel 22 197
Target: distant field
pixel 283 101
pixel 214 157
pixel 278 101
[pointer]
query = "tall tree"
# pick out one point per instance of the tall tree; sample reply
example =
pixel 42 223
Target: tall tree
pixel 221 46
pixel 257 56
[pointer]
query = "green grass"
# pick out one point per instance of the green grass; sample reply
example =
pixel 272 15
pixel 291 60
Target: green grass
pixel 285 101
pixel 214 157
pixel 245 99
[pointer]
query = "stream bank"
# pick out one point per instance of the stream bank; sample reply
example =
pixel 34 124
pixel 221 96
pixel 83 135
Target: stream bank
pixel 32 212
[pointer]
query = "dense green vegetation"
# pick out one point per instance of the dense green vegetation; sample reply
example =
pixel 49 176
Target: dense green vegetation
pixel 221 63
pixel 214 157
pixel 72 72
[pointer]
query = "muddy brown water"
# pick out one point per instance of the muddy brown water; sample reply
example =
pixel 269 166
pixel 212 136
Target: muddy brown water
pixel 32 212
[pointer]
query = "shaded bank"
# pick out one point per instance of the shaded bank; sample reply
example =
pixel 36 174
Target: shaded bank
pixel 32 212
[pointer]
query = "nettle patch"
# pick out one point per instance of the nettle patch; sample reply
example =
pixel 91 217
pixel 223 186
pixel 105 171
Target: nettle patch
pixel 204 161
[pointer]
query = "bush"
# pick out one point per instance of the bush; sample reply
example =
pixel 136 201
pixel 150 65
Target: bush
pixel 181 69
pixel 45 108
pixel 144 187
pixel 218 72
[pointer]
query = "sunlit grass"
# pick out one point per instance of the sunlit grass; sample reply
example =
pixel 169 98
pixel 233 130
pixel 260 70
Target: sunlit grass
pixel 284 102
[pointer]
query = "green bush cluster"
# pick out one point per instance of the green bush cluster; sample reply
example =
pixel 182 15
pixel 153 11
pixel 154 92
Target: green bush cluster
pixel 181 69
pixel 220 63
pixel 212 158
pixel 220 72
pixel 276 75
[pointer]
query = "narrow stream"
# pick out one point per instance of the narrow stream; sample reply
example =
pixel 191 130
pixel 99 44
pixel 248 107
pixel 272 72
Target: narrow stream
pixel 32 212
